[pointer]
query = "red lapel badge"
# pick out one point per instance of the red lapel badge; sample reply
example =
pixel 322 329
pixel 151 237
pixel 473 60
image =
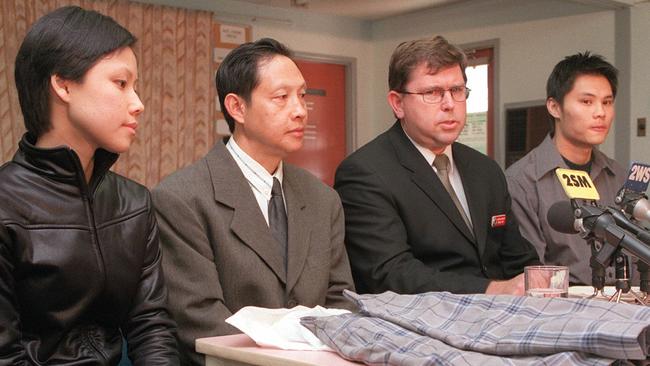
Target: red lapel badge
pixel 499 220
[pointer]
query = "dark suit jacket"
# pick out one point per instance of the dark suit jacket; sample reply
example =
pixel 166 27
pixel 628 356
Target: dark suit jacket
pixel 403 232
pixel 219 254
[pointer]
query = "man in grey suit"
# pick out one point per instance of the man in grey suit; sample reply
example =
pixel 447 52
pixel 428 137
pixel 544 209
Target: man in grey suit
pixel 227 241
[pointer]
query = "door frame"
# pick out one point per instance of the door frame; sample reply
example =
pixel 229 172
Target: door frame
pixel 350 64
pixel 516 105
pixel 498 133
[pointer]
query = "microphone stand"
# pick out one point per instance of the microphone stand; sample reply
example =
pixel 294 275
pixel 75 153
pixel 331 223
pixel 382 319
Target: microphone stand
pixel 597 268
pixel 644 283
pixel 622 264
pixel 597 264
pixel 607 241
pixel 626 200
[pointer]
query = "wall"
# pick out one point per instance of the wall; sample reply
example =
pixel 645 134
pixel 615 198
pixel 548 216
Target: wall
pixel 305 33
pixel 527 52
pixel 531 36
pixel 640 80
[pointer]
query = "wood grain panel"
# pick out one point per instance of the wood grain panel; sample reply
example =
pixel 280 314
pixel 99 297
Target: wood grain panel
pixel 175 81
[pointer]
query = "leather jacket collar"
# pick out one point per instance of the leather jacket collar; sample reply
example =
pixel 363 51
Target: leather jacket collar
pixel 61 163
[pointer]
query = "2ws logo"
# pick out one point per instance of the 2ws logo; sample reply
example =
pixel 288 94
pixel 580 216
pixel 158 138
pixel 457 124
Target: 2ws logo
pixel 638 177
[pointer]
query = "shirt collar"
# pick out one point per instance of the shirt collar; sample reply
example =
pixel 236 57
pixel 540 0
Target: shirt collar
pixel 549 158
pixel 256 175
pixel 430 156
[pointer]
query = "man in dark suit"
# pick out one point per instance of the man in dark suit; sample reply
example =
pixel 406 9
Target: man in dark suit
pixel 226 237
pixel 423 212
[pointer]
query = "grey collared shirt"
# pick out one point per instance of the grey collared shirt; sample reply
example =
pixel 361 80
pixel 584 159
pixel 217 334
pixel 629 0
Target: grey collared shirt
pixel 534 188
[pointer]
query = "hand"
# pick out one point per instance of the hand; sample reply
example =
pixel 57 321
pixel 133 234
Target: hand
pixel 513 286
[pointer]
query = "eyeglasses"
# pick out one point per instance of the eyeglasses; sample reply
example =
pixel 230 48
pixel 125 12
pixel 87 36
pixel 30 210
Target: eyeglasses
pixel 435 95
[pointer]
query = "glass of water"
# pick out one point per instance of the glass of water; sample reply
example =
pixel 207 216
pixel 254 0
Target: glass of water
pixel 546 281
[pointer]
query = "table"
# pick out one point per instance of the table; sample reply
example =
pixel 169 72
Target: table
pixel 240 350
pixel 586 292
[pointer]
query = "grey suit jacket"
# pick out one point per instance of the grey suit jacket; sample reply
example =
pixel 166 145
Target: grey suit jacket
pixel 219 254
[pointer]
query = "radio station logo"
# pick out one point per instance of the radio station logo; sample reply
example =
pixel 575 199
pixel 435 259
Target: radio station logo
pixel 638 177
pixel 577 184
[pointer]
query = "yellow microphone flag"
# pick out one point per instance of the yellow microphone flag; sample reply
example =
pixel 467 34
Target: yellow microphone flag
pixel 577 184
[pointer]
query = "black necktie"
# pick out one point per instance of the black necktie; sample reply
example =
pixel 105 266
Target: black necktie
pixel 278 218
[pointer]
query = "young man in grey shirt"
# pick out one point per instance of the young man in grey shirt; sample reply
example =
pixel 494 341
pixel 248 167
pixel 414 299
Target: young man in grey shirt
pixel 580 97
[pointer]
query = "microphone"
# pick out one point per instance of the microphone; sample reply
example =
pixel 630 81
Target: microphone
pixel 577 185
pixel 634 204
pixel 625 223
pixel 606 230
pixel 592 220
pixel 641 210
pixel 561 218
pixel 631 197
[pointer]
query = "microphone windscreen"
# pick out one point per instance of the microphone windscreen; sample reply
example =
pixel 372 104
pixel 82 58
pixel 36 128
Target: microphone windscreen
pixel 560 217
pixel 641 210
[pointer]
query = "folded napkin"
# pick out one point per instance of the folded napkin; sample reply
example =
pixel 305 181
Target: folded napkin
pixel 281 328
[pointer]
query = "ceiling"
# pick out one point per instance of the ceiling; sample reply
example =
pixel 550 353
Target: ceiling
pixel 379 9
pixel 360 9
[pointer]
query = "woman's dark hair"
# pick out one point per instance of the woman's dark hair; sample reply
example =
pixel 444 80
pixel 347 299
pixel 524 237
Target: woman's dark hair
pixel 238 73
pixel 66 42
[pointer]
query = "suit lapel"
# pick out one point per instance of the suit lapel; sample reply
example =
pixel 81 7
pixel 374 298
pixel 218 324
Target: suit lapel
pixel 232 189
pixel 475 192
pixel 298 225
pixel 426 179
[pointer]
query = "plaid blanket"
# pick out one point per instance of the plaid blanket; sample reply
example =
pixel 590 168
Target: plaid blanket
pixel 443 328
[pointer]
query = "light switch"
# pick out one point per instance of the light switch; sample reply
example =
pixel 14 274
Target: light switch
pixel 640 127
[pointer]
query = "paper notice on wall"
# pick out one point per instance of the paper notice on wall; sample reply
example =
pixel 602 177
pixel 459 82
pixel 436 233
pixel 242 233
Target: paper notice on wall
pixel 474 134
pixel 232 34
pixel 220 53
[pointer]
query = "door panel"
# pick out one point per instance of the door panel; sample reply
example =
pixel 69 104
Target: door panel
pixel 325 139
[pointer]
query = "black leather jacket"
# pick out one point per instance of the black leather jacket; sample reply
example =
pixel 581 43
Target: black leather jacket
pixel 79 264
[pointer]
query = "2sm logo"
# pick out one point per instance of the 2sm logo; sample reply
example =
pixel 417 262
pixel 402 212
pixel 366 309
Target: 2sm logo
pixel 577 184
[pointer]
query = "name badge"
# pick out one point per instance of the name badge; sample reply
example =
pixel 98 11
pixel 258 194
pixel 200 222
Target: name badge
pixel 498 220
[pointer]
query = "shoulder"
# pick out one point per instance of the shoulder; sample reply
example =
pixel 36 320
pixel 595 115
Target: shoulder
pixel 185 180
pixel 311 186
pixel 12 188
pixel 378 146
pixel 377 155
pixel 476 159
pixel 617 169
pixel 9 178
pixel 4 168
pixel 525 168
pixel 136 194
pixel 521 166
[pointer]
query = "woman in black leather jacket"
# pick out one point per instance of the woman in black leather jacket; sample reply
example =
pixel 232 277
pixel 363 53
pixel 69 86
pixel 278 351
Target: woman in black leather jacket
pixel 79 254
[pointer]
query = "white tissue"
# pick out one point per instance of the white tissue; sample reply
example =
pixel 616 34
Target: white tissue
pixel 280 328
